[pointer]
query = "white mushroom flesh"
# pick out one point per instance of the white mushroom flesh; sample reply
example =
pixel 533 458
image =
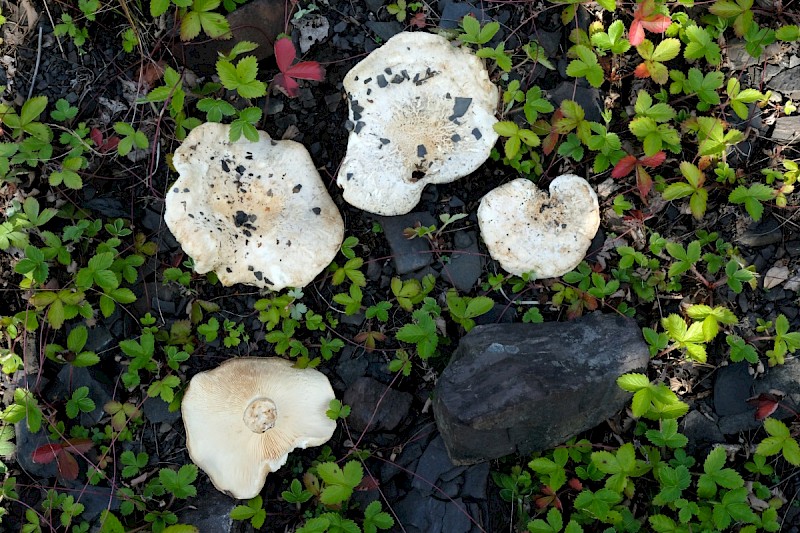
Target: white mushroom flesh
pixel 244 417
pixel 421 111
pixel 255 213
pixel 528 230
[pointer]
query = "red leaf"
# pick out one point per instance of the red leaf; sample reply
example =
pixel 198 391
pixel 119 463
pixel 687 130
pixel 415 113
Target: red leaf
pixel 307 70
pixel 284 53
pixel 657 23
pixel 653 160
pixel 642 71
pixel 286 84
pixel 109 145
pixel 643 182
pixel 368 483
pixel 418 20
pixel 97 137
pixel 77 445
pixel 67 466
pixel 624 167
pixel 636 33
pixel 575 484
pixel 765 405
pixel 45 454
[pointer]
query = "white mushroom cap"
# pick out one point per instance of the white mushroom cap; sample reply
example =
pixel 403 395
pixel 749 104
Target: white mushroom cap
pixel 527 230
pixel 244 417
pixel 421 111
pixel 256 213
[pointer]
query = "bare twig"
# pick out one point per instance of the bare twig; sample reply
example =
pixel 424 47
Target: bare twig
pixel 36 67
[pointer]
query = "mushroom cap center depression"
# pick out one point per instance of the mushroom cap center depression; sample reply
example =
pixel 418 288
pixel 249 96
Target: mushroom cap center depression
pixel 421 130
pixel 248 200
pixel 260 415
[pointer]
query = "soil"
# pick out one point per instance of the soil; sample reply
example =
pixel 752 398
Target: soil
pixel 106 84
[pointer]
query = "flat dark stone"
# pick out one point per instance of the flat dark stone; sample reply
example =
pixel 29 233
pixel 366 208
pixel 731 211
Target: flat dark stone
pixel 408 254
pixel 527 387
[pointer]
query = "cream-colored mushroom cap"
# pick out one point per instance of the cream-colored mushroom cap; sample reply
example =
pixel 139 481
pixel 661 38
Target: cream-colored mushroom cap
pixel 421 111
pixel 255 213
pixel 244 417
pixel 528 230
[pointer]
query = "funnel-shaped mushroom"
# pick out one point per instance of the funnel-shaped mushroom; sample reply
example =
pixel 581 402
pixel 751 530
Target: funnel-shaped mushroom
pixel 255 213
pixel 244 417
pixel 421 111
pixel 527 230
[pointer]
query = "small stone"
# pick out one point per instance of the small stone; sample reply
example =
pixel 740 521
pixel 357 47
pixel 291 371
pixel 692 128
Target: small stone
pixel 763 233
pixel 434 466
pixel 786 130
pixel 465 265
pixel 590 99
pixel 732 388
pixel 210 510
pixel 375 406
pixel 157 411
pixel 453 12
pixel 701 432
pixel 775 276
pixel 385 30
pixel 787 82
pixel 408 254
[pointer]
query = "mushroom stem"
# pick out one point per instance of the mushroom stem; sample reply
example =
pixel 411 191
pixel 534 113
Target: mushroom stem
pixel 260 415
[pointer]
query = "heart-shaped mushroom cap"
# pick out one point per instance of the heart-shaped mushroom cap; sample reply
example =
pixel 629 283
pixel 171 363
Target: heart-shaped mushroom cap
pixel 527 230
pixel 255 213
pixel 421 111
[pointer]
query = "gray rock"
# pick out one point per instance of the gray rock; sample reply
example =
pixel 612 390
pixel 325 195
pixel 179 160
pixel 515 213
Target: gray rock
pixel 786 130
pixel 701 432
pixel 787 83
pixel 589 99
pixel 210 510
pixel 422 514
pixel 95 500
pixel 375 406
pixel 731 389
pixel 27 443
pixel 453 12
pixel 465 264
pixel 434 468
pixel 99 340
pixel 408 254
pixel 763 233
pixel 350 366
pixel 526 387
pixel 157 411
pixel 71 378
pixel 784 378
pixel 385 30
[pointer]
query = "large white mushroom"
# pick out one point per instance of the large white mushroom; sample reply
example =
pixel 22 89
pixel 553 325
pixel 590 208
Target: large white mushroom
pixel 421 111
pixel 255 213
pixel 528 230
pixel 244 417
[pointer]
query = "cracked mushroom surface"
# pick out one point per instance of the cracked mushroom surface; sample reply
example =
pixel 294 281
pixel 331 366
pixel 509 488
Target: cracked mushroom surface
pixel 421 111
pixel 255 213
pixel 244 417
pixel 528 230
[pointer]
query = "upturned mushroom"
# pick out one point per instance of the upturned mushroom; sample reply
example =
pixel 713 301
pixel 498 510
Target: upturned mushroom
pixel 255 213
pixel 528 230
pixel 244 417
pixel 421 111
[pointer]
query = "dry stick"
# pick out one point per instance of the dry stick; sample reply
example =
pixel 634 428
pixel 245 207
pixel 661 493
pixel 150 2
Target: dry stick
pixel 53 24
pixel 38 60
